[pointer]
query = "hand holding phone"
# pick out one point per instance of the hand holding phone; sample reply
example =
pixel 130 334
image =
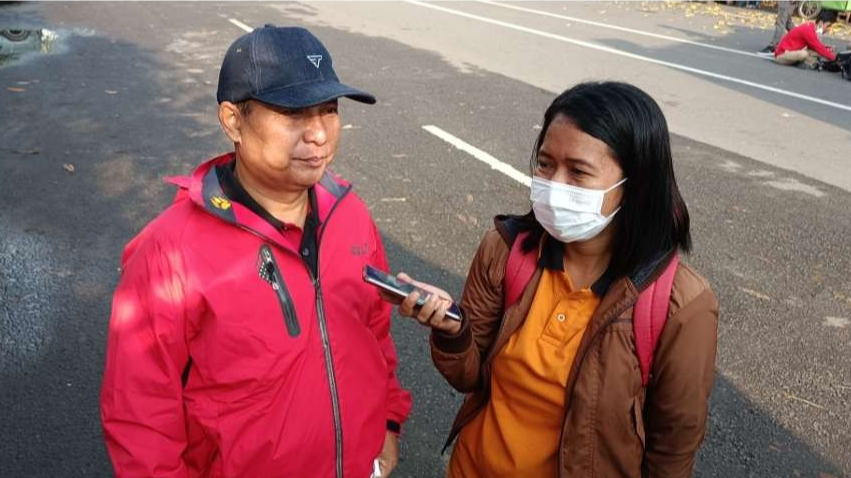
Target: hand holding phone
pixel 430 308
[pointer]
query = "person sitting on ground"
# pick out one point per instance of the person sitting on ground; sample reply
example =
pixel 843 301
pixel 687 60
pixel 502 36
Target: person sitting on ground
pixel 803 44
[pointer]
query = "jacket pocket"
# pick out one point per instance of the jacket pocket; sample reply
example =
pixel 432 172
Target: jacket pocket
pixel 638 418
pixel 271 273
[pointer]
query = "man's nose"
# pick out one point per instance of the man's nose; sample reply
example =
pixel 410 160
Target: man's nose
pixel 315 131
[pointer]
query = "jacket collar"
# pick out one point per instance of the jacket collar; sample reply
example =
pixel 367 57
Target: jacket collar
pixel 204 189
pixel 551 256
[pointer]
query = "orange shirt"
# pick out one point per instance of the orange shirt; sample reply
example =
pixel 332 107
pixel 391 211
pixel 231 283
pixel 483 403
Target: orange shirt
pixel 517 433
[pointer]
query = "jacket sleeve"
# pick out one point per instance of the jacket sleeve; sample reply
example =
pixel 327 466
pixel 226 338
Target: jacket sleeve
pixel 677 401
pixel 813 43
pixel 459 358
pixel 141 395
pixel 398 399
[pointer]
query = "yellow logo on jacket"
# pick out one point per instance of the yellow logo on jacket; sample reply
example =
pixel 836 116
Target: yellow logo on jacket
pixel 220 202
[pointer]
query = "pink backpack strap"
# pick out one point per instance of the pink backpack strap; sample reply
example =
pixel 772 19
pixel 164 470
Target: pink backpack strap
pixel 518 270
pixel 649 315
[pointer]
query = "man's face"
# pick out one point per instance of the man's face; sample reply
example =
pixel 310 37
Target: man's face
pixel 288 149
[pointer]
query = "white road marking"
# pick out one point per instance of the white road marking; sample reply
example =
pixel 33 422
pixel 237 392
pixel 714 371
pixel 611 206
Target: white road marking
pixel 633 56
pixel 730 166
pixel 838 322
pixel 791 184
pixel 622 29
pixel 241 25
pixel 482 156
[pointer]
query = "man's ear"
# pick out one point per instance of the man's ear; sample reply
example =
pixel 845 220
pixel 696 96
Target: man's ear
pixel 231 120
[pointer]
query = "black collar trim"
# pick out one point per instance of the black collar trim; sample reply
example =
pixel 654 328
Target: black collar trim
pixel 231 187
pixel 552 258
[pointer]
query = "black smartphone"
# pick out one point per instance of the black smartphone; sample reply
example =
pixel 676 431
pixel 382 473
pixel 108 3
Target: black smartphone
pixel 402 289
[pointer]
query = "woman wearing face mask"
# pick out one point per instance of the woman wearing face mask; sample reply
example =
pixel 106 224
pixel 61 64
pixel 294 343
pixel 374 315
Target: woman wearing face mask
pixel 550 367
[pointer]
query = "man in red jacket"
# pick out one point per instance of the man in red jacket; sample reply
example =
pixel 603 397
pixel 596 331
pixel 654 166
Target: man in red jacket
pixel 243 341
pixel 802 43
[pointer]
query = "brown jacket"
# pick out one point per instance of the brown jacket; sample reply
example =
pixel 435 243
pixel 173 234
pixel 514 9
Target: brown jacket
pixel 613 427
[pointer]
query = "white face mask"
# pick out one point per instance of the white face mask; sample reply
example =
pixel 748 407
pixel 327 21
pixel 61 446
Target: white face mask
pixel 820 32
pixel 570 213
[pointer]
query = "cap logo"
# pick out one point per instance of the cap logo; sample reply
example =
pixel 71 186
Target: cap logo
pixel 315 59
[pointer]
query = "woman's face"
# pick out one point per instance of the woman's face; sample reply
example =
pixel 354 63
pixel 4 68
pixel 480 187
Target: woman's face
pixel 570 156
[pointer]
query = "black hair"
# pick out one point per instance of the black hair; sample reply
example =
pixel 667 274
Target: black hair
pixel 244 107
pixel 653 218
pixel 826 16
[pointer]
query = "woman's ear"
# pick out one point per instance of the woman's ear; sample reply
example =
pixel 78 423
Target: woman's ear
pixel 231 120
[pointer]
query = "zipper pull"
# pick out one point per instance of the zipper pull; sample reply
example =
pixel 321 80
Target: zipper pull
pixel 267 269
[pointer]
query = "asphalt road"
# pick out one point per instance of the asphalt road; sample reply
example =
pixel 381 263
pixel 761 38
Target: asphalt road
pixel 127 96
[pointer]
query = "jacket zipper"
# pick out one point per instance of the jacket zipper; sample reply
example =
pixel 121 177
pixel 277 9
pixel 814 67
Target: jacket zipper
pixel 489 357
pixel 332 380
pixel 326 345
pixel 618 310
pixel 271 273
pixel 323 330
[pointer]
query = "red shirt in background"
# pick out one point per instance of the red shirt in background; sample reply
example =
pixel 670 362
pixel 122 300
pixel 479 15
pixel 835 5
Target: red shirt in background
pixel 803 36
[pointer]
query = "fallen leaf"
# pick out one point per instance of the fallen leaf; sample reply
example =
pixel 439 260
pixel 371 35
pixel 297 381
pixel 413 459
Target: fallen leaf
pixel 27 151
pixel 16 90
pixel 753 293
pixel 68 167
pixel 111 92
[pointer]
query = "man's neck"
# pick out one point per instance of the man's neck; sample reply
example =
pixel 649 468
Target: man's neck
pixel 289 207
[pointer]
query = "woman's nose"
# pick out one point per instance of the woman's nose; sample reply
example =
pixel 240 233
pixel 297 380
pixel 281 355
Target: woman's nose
pixel 561 175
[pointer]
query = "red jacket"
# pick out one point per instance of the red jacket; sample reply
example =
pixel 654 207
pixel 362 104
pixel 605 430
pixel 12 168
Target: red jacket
pixel 800 37
pixel 291 380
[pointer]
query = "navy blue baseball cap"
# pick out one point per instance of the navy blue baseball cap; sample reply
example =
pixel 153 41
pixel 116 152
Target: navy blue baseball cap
pixel 282 66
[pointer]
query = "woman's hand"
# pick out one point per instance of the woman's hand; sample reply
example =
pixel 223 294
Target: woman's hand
pixel 432 313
